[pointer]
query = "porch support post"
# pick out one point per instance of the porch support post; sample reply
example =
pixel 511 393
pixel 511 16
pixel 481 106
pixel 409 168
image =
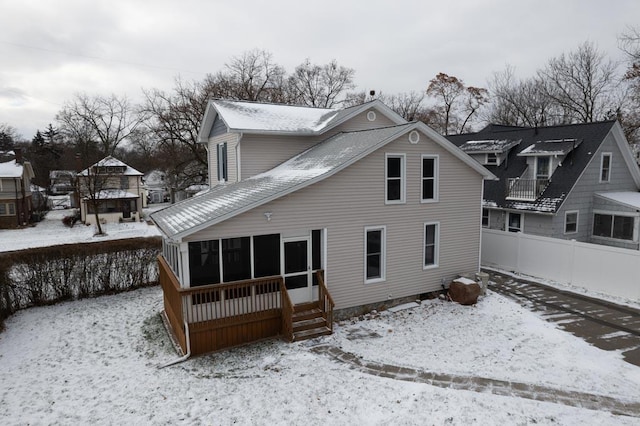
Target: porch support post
pixel 184 265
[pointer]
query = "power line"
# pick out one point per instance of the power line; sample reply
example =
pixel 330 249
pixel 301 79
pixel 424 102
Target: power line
pixel 97 58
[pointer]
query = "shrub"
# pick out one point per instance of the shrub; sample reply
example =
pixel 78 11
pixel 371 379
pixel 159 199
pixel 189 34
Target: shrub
pixel 47 275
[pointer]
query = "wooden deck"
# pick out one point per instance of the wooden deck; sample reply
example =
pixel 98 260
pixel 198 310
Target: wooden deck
pixel 213 317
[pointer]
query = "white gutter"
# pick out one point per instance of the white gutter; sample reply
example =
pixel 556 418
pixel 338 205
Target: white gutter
pixel 185 356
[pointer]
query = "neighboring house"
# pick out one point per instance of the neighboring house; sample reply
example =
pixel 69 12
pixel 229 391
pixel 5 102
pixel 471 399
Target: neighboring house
pixel 575 182
pixel 310 210
pixel 116 188
pixel 61 182
pixel 15 190
pixel 155 184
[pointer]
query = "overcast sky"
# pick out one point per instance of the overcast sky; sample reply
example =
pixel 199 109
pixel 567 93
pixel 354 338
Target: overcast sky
pixel 53 49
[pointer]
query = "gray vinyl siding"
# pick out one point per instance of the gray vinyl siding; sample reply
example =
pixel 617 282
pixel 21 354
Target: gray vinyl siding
pixel 537 224
pixel 354 198
pixel 581 196
pixel 231 140
pixel 260 153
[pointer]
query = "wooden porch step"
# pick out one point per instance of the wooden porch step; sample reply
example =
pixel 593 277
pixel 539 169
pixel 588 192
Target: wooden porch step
pixel 309 324
pixel 312 333
pixel 305 307
pixel 306 315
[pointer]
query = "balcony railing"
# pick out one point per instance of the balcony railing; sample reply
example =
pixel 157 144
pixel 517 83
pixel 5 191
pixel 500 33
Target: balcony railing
pixel 525 189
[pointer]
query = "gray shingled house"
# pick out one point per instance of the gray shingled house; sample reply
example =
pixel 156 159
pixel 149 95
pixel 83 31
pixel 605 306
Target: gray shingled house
pixel 312 210
pixel 576 181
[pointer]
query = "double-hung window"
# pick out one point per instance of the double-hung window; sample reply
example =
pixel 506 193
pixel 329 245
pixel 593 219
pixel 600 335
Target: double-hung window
pixel 571 222
pixel 222 162
pixel 395 178
pixel 429 178
pixel 605 167
pixel 374 254
pixel 431 240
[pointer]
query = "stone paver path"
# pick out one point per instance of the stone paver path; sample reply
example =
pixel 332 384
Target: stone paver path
pixel 479 384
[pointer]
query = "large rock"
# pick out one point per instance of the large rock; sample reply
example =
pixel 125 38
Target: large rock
pixel 464 291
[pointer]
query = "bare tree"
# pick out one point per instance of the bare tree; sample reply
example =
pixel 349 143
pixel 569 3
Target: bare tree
pixel 319 85
pixel 520 102
pixel 107 120
pixel 456 104
pixel 410 105
pixel 581 83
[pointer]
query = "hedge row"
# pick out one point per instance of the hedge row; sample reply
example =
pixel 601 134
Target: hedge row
pixel 46 275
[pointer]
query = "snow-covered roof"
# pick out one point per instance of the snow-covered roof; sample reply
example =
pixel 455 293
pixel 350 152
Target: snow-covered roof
pixel 628 198
pixel 113 162
pixel 223 202
pixel 319 162
pixel 243 116
pixel 113 194
pixel 11 169
pixel 488 146
pixel 551 147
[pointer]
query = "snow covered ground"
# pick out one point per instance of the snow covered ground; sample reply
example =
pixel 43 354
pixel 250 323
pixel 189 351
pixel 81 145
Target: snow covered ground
pixel 52 231
pixel 95 362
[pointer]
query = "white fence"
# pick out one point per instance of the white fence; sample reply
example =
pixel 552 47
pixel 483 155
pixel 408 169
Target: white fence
pixel 608 270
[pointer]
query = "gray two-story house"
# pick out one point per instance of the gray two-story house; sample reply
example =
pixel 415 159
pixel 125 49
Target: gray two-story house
pixel 312 210
pixel 576 181
pixel 16 203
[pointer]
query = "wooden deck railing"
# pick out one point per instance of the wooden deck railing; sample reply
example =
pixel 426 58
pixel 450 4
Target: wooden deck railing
pixel 287 314
pixel 325 300
pixel 173 306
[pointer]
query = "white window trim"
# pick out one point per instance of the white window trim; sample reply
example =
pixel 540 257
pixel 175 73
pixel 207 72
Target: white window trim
pixel 506 225
pixel 403 178
pixel 568 212
pixel 436 254
pixel 636 225
pixel 488 218
pixel 383 260
pixel 605 154
pixel 486 159
pixel 436 178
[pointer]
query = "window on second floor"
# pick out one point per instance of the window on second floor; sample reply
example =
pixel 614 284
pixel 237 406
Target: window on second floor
pixel 124 182
pixel 605 167
pixel 429 178
pixel 395 178
pixel 222 162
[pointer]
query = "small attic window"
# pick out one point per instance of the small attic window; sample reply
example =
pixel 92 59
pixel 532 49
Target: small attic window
pixel 492 159
pixel 414 137
pixel 371 116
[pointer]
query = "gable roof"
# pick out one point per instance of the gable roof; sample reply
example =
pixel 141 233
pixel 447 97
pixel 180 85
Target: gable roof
pixel 579 141
pixel 110 161
pixel 282 119
pixel 319 162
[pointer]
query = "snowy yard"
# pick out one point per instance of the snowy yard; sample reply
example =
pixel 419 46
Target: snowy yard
pixel 95 362
pixel 52 231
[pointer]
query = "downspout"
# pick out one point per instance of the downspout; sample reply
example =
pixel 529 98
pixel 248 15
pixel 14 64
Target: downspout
pixel 16 180
pixel 185 356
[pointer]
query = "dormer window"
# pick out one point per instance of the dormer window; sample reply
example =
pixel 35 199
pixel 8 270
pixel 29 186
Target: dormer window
pixel 222 162
pixel 492 159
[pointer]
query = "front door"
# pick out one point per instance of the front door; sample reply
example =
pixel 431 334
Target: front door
pixel 297 269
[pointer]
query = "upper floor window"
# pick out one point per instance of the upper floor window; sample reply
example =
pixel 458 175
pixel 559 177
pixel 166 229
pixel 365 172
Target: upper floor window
pixel 222 162
pixel 543 169
pixel 374 254
pixel 429 178
pixel 395 177
pixel 124 182
pixel 605 167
